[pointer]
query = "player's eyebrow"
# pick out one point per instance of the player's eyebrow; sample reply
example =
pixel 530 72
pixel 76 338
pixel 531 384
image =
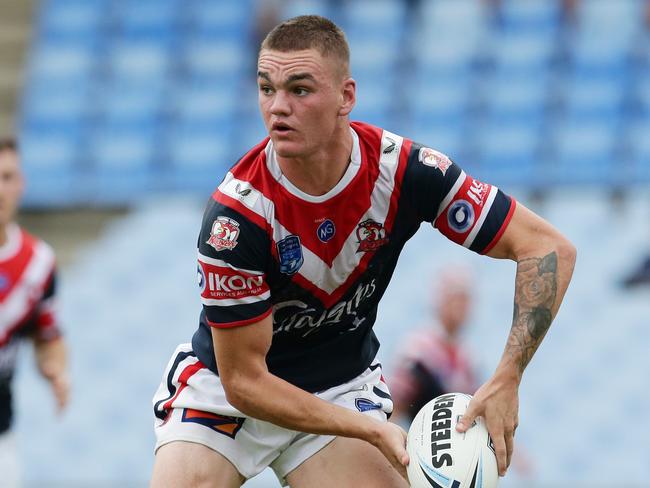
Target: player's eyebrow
pixel 290 79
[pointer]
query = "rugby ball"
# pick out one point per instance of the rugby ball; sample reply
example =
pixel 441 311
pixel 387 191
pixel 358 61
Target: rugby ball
pixel 444 458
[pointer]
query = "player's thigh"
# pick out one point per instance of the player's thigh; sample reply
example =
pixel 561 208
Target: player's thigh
pixel 347 463
pixel 192 465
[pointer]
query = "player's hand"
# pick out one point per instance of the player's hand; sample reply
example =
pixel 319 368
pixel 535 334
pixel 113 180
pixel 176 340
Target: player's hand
pixel 61 389
pixel 497 401
pixel 391 441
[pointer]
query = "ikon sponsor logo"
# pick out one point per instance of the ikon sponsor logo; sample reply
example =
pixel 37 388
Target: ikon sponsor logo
pixel 219 282
pixel 477 192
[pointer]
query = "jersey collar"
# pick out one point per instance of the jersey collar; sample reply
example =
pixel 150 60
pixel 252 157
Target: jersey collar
pixel 350 173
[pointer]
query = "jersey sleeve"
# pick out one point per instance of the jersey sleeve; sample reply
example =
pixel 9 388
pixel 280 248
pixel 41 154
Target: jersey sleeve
pixel 465 210
pixel 233 254
pixel 45 320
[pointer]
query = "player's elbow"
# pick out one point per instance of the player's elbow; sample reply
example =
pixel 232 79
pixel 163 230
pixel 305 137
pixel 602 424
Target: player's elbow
pixel 566 252
pixel 239 391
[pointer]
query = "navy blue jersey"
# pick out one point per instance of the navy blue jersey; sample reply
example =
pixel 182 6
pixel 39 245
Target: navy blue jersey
pixel 321 264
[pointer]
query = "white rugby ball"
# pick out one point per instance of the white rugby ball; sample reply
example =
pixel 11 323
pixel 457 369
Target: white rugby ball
pixel 444 458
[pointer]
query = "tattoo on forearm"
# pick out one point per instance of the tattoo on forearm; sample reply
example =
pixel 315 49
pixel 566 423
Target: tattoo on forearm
pixel 535 294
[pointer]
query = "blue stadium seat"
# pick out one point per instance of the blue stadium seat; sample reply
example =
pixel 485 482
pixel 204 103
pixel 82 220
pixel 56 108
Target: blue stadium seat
pixel 139 61
pixel 625 18
pixel 531 16
pixel 61 62
pixel 585 152
pixel 55 104
pixel 595 101
pixel 376 54
pixel 77 21
pixel 522 53
pixel 206 59
pixel 516 99
pixel 293 8
pixel 639 144
pixel 509 153
pixel 138 104
pixel 383 20
pixel 203 103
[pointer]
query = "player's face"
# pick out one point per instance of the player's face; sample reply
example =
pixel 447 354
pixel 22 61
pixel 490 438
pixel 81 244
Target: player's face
pixel 303 97
pixel 11 185
pixel 454 309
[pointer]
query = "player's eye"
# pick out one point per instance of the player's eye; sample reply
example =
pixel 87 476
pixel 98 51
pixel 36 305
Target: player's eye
pixel 266 90
pixel 300 91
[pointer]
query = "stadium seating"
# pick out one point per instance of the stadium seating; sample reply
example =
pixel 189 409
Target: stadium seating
pixel 515 92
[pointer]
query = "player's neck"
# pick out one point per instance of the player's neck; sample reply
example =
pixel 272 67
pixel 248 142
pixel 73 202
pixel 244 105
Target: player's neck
pixel 4 235
pixel 319 172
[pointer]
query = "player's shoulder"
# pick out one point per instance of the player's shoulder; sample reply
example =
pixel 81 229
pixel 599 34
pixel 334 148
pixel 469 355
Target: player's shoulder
pixel 244 189
pixel 35 243
pixel 252 163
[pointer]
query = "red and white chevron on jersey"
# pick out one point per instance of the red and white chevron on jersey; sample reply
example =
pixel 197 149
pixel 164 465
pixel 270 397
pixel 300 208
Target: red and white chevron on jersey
pixel 26 270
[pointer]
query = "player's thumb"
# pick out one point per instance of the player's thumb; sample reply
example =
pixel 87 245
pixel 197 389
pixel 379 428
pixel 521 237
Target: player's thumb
pixel 467 420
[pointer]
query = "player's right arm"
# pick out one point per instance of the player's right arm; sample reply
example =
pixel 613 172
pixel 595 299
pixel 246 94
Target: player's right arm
pixel 233 262
pixel 253 390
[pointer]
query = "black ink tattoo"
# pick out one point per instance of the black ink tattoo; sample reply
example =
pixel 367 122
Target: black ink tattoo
pixel 535 294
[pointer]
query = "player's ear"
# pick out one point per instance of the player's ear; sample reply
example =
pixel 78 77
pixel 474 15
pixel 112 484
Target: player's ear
pixel 348 96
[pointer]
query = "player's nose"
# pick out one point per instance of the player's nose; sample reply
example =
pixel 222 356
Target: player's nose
pixel 280 104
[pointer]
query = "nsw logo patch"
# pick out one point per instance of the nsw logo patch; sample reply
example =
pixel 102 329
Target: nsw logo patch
pixel 224 233
pixel 290 254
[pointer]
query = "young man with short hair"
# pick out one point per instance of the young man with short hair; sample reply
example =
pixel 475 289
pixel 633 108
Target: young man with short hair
pixel 298 245
pixel 27 307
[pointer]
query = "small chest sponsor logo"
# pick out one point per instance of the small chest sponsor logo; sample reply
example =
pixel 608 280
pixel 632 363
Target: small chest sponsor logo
pixel 326 230
pixel 290 254
pixel 224 233
pixel 435 159
pixel 371 236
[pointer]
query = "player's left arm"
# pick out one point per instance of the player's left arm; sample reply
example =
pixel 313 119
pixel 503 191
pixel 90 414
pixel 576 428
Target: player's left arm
pixel 545 261
pixel 50 350
pixel 51 360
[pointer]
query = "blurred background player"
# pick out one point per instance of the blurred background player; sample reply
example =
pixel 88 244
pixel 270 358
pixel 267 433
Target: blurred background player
pixel 27 292
pixel 432 360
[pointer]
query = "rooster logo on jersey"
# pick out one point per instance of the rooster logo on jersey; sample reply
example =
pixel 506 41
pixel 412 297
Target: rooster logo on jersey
pixel 371 235
pixel 435 159
pixel 224 233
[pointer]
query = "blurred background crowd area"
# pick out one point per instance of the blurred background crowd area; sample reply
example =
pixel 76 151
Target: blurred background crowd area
pixel 129 112
pixel 124 98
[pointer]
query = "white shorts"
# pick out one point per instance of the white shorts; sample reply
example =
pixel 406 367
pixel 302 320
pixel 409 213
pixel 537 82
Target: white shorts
pixel 190 405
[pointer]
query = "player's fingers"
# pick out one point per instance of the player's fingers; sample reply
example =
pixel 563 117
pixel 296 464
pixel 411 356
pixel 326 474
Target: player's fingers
pixel 510 445
pixel 501 453
pixel 468 417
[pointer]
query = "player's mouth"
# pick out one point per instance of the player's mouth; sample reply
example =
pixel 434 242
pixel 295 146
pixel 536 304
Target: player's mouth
pixel 281 128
